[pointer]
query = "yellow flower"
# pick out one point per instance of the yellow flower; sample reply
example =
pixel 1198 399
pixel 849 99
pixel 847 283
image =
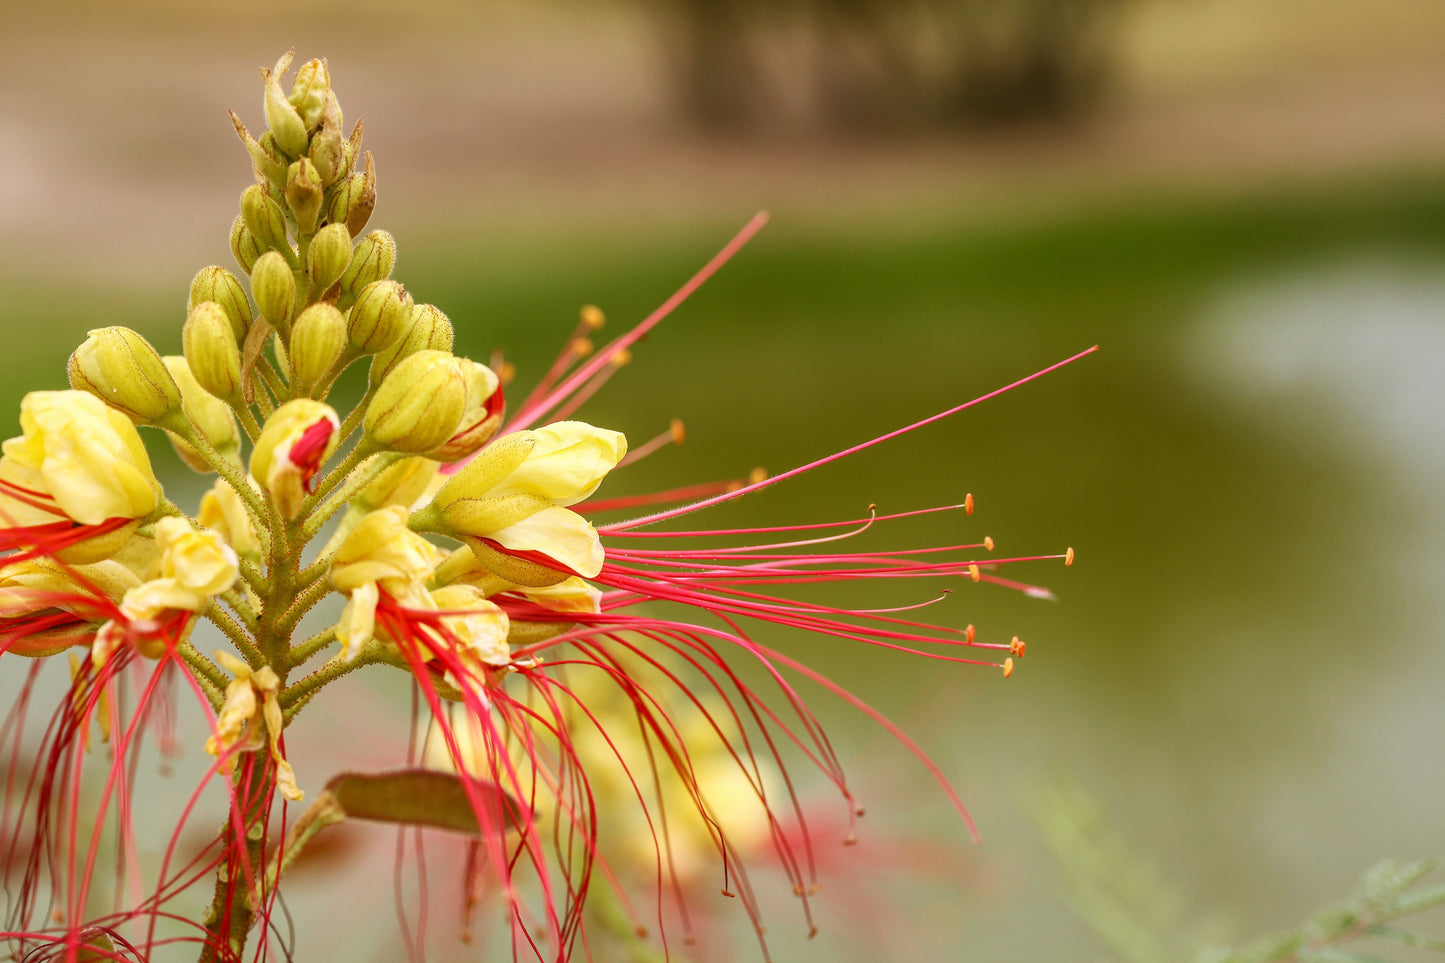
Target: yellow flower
pixel 45 608
pixel 380 553
pixel 85 456
pixel 297 439
pixel 251 718
pixel 480 626
pixel 223 512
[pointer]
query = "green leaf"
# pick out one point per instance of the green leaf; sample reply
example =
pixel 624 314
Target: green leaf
pixel 423 797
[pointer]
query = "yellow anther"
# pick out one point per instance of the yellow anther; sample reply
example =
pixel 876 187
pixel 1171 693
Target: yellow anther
pixel 581 347
pixel 592 317
pixel 988 543
pixel 620 358
pixel 506 372
pixel 968 503
pixel 968 634
pixel 679 432
pixel 973 572
pixel 1008 667
pixel 1017 646
pixel 1069 557
pixel 757 475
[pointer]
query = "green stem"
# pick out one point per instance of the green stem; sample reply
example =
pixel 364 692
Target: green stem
pixel 322 562
pixel 295 696
pixel 334 477
pixel 223 466
pixel 212 680
pixel 357 415
pixel 274 384
pixel 305 650
pixel 248 420
pixel 233 631
pixel 357 481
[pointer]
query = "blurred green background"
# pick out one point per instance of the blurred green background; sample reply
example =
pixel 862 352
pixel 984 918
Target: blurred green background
pixel 1242 203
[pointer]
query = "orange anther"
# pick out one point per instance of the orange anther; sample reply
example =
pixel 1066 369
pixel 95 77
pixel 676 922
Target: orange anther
pixel 620 358
pixel 1008 667
pixel 506 372
pixel 988 543
pixel 581 347
pixel 973 572
pixel 592 317
pixel 757 475
pixel 968 503
pixel 679 433
pixel 1069 557
pixel 968 634
pixel 1017 647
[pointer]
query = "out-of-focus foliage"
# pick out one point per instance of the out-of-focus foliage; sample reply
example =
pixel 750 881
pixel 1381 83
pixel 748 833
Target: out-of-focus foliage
pixel 889 63
pixel 1142 919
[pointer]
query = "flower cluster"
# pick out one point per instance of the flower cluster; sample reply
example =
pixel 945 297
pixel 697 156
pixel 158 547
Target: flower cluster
pixel 577 710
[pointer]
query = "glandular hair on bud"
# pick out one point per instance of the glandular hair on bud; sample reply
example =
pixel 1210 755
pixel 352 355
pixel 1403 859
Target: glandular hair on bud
pixel 328 256
pixel 372 260
pixel 283 119
pixel 244 246
pixel 121 368
pixel 211 350
pixel 304 192
pixel 219 285
pixel 264 217
pixel 428 329
pixel 380 317
pixel 318 336
pixel 274 288
pixel 419 405
pixel 211 416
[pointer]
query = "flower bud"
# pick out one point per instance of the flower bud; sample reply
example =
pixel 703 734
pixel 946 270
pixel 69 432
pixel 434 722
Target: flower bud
pixel 121 368
pixel 429 330
pixel 211 416
pixel 373 259
pixel 264 218
pixel 403 484
pixel 265 161
pixel 223 511
pixel 274 288
pixel 481 418
pixel 355 198
pixel 304 194
pixel 244 246
pixel 318 337
pixel 419 405
pixel 328 147
pixel 283 119
pixel 380 317
pixel 219 285
pixel 311 91
pixel 294 443
pixel 211 350
pixel 328 256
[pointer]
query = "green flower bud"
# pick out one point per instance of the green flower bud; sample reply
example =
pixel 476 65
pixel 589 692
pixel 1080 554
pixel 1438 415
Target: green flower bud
pixel 373 260
pixel 429 330
pixel 121 368
pixel 311 91
pixel 283 119
pixel 211 350
pixel 328 147
pixel 401 484
pixel 419 405
pixel 274 288
pixel 211 416
pixel 219 285
pixel 318 337
pixel 244 245
pixel 481 418
pixel 380 317
pixel 264 218
pixel 328 256
pixel 304 194
pixel 267 164
pixel 354 198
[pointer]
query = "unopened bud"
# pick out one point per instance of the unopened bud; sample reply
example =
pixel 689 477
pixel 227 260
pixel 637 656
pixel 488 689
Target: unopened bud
pixel 264 217
pixel 121 368
pixel 318 337
pixel 328 147
pixel 328 256
pixel 372 260
pixel 481 418
pixel 380 317
pixel 355 198
pixel 265 161
pixel 244 246
pixel 219 285
pixel 429 330
pixel 283 119
pixel 310 91
pixel 401 484
pixel 304 194
pixel 295 442
pixel 419 405
pixel 274 288
pixel 210 415
pixel 211 350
